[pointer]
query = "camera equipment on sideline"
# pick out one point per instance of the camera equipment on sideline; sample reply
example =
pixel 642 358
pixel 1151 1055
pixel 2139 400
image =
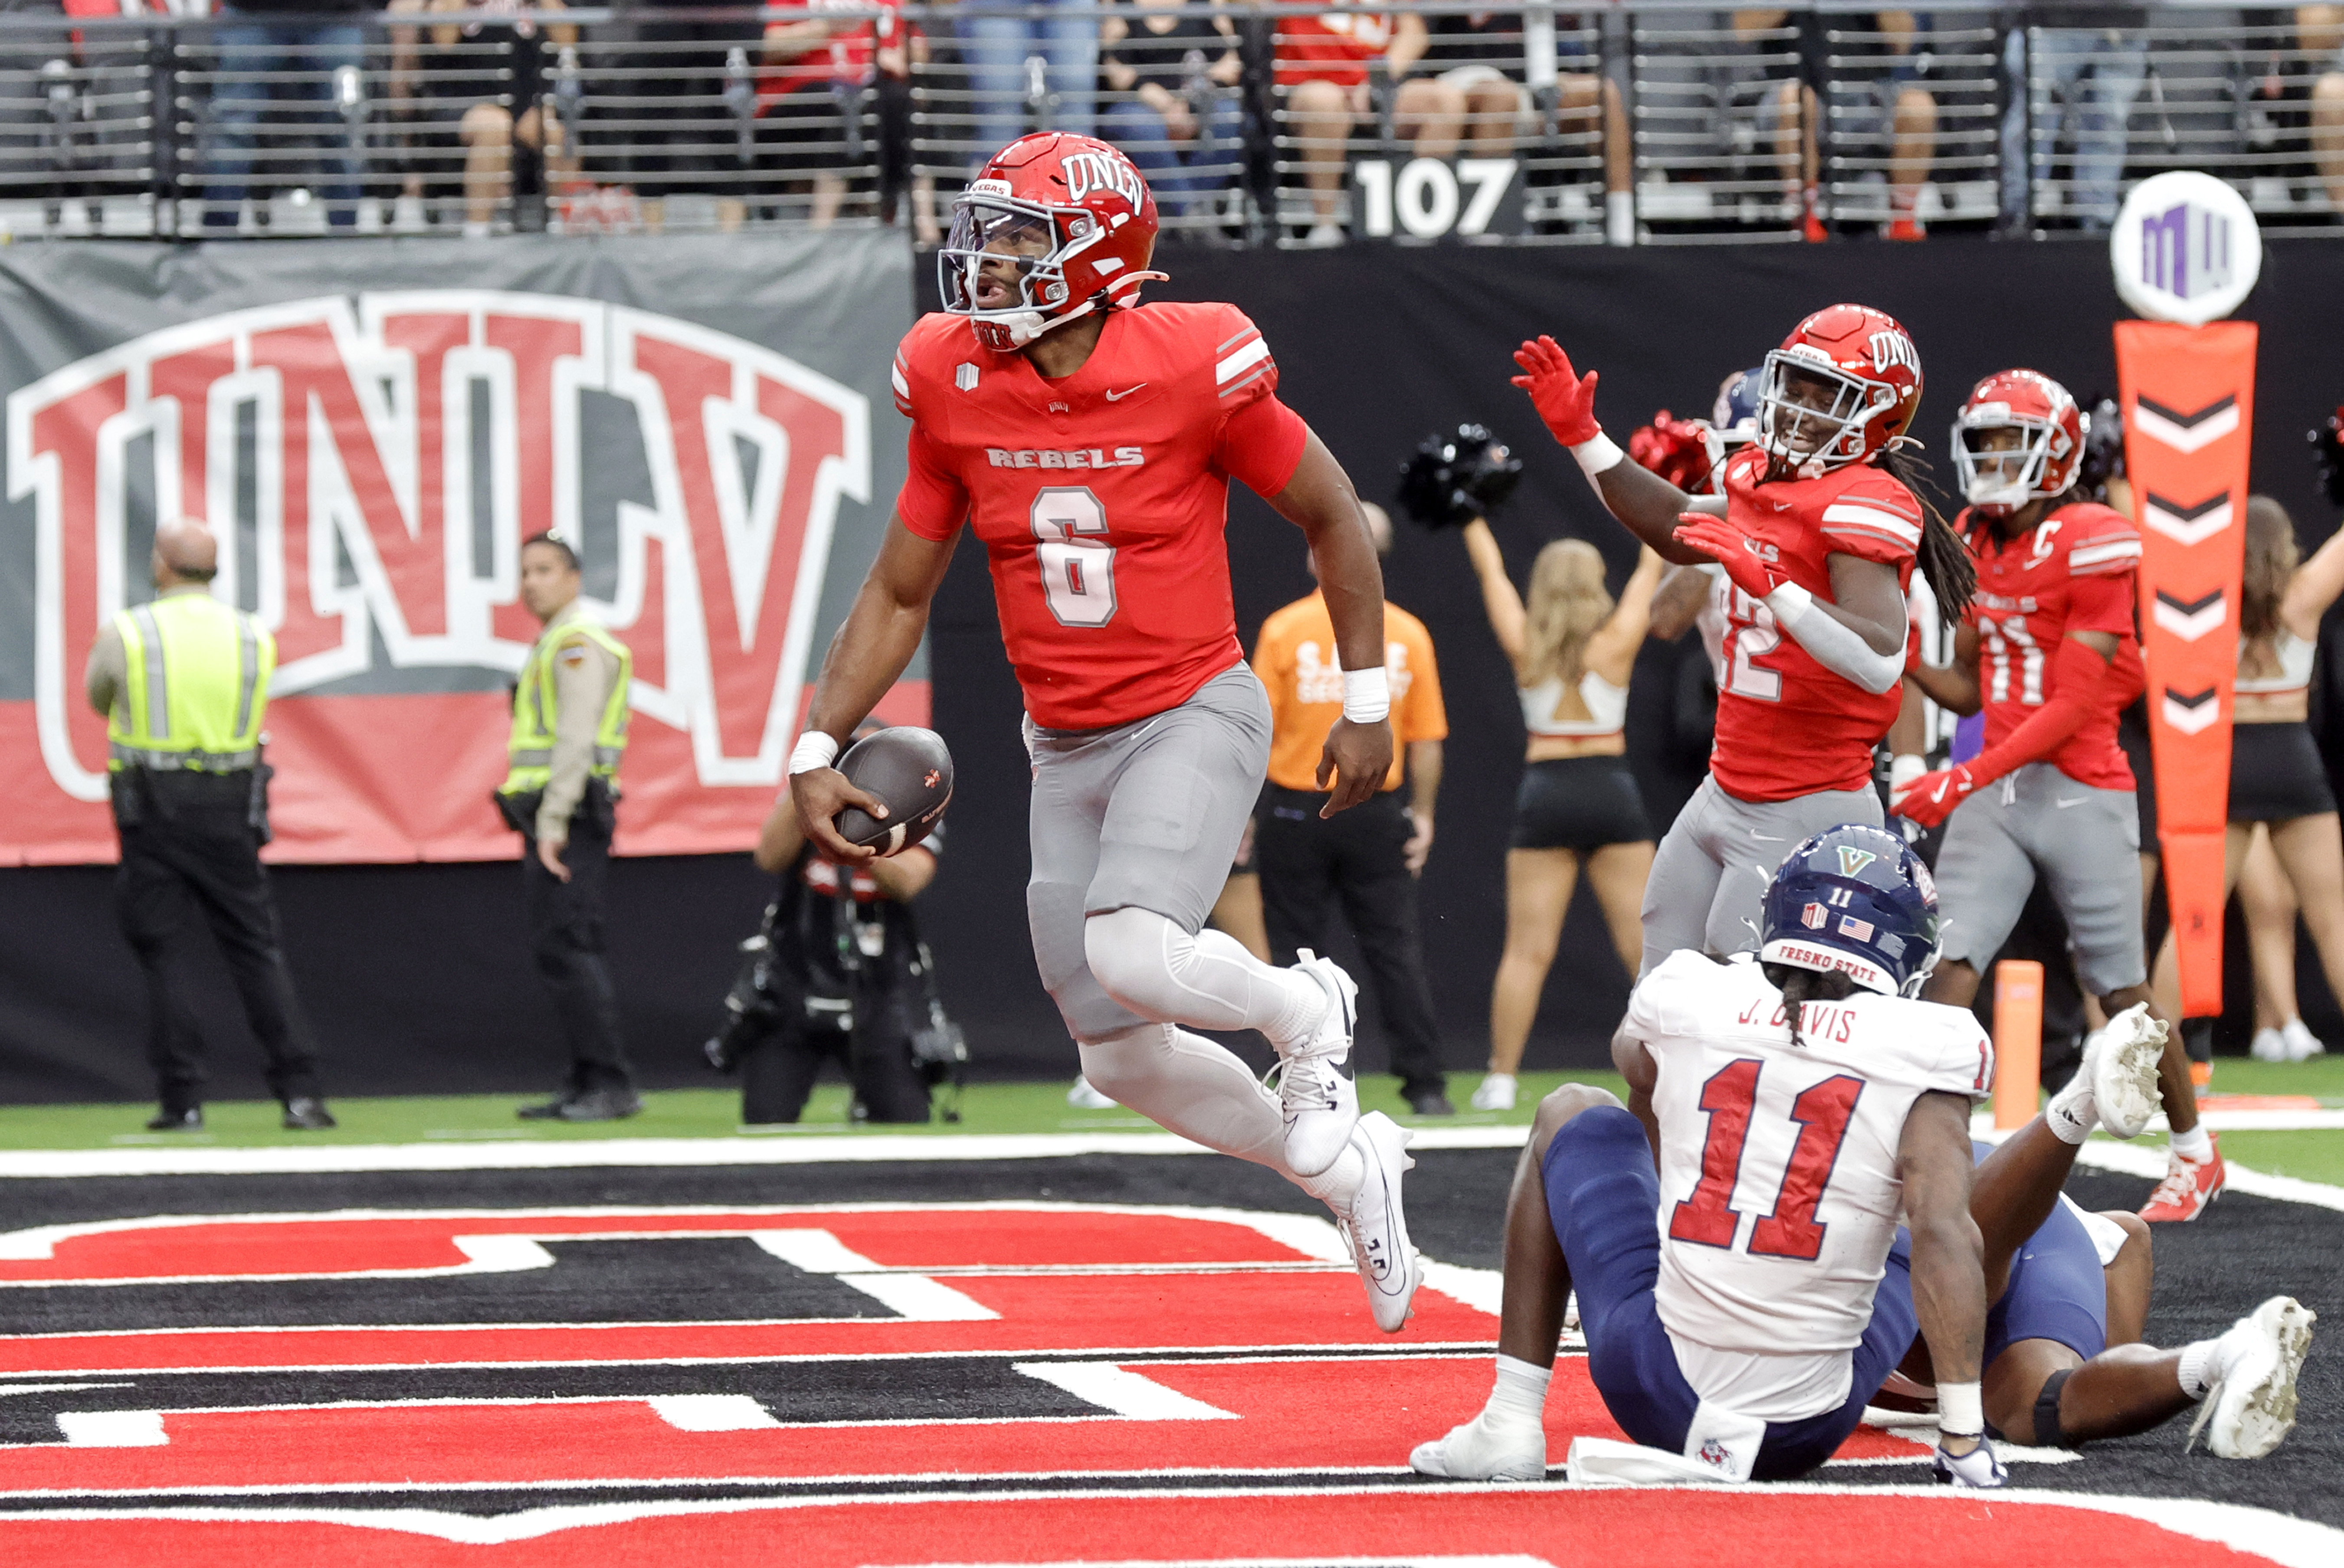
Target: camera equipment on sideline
pixel 1454 478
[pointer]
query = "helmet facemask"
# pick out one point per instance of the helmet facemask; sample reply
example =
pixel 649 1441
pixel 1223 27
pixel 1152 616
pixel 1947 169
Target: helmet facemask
pixel 1003 265
pixel 1811 413
pixel 1999 480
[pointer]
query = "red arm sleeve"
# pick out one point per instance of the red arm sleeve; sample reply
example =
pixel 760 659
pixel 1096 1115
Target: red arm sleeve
pixel 2079 671
pixel 1260 445
pixel 2100 604
pixel 932 501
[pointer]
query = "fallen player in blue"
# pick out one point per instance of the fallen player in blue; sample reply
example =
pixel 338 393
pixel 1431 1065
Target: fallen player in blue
pixel 2065 1360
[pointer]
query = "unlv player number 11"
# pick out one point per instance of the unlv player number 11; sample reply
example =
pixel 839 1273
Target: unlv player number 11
pixel 1090 442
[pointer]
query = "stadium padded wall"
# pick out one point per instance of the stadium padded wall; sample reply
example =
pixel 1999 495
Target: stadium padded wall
pixel 418 973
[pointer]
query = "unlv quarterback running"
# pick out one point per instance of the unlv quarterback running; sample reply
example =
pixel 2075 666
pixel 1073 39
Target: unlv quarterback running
pixel 1090 441
pixel 1741 1299
pixel 1818 536
pixel 2051 652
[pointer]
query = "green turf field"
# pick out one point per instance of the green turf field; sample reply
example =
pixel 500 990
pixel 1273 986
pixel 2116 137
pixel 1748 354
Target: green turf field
pixel 997 1108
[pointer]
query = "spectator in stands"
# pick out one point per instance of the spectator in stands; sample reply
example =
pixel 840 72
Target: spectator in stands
pixel 822 75
pixel 1181 73
pixel 2092 65
pixel 1323 63
pixel 2320 31
pixel 322 40
pixel 681 121
pixel 448 60
pixel 1483 54
pixel 1880 101
pixel 1000 42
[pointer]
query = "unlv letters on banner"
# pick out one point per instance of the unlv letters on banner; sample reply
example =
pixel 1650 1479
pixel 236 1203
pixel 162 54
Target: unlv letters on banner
pixel 371 454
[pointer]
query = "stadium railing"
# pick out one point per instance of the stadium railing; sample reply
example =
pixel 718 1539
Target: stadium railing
pixel 652 119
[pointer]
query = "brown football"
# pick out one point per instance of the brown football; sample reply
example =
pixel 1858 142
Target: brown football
pixel 909 768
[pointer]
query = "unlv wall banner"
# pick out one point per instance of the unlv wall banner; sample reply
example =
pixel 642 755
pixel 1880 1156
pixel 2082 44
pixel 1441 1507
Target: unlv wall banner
pixel 371 428
pixel 2188 395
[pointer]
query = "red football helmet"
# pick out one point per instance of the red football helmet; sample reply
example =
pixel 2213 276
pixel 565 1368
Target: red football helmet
pixel 1845 383
pixel 1054 226
pixel 2003 478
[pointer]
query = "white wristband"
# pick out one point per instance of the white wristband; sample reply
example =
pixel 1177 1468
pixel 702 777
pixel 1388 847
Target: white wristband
pixel 1789 603
pixel 1961 1412
pixel 814 749
pixel 1903 769
pixel 1596 456
pixel 1367 695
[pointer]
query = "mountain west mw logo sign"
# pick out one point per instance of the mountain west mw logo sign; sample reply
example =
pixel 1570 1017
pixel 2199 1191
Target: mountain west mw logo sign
pixel 361 440
pixel 2186 248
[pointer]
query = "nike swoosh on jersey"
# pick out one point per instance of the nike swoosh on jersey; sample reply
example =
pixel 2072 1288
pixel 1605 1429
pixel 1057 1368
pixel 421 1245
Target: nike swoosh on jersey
pixel 2063 805
pixel 1119 397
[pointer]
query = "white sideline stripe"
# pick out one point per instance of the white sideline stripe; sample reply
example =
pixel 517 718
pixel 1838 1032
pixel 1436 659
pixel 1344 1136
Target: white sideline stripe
pixel 2253 1532
pixel 296 1160
pixel 114 1428
pixel 712 1411
pixel 2131 1159
pixel 1125 1392
pixel 2320 1120
pixel 844 1149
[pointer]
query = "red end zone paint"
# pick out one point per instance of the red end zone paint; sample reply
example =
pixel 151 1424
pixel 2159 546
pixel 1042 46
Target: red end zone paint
pixel 1558 1525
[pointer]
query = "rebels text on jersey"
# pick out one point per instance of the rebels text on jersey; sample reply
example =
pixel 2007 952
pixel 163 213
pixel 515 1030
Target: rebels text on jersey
pixel 1101 498
pixel 1779 1191
pixel 2073 572
pixel 1786 726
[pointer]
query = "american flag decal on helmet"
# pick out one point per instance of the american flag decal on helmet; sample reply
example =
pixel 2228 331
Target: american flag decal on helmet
pixel 1849 926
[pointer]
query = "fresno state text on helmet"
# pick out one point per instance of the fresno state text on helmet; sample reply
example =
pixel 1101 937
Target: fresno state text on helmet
pixel 1072 458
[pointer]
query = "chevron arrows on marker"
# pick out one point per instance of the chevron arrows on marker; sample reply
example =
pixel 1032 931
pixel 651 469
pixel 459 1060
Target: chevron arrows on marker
pixel 2190 714
pixel 2190 620
pixel 2185 432
pixel 2187 525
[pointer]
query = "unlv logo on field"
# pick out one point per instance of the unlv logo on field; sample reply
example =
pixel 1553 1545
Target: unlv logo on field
pixel 372 465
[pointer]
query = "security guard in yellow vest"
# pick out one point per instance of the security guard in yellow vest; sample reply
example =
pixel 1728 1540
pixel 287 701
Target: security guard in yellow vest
pixel 569 731
pixel 182 682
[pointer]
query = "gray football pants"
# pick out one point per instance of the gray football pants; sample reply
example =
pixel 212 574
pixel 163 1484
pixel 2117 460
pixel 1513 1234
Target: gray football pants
pixel 1146 815
pixel 2084 842
pixel 1708 886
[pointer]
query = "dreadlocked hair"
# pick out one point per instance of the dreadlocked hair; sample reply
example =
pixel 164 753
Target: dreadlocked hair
pixel 1800 986
pixel 1953 576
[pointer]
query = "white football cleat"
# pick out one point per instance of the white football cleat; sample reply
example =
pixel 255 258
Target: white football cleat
pixel 1082 1097
pixel 1375 1226
pixel 1496 1093
pixel 2123 1059
pixel 2251 1408
pixel 1485 1450
pixel 1315 1089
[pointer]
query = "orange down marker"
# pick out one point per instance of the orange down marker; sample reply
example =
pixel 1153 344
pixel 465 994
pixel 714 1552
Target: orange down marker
pixel 2018 1041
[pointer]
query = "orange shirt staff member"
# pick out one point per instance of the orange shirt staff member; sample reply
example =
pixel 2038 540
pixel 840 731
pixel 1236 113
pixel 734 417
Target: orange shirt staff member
pixel 1367 857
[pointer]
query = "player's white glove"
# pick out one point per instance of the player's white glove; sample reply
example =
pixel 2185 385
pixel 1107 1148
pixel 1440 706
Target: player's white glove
pixel 1978 1467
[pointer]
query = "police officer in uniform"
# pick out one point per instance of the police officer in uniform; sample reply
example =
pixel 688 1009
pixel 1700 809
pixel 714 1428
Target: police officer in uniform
pixel 182 682
pixel 561 791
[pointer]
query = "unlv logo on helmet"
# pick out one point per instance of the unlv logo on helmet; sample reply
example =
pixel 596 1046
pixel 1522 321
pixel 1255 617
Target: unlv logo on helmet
pixel 355 430
pixel 1107 171
pixel 1893 349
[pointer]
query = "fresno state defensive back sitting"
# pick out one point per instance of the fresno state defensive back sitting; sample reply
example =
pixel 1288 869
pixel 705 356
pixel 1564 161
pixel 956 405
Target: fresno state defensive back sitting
pixel 1817 534
pixel 1090 441
pixel 1739 1301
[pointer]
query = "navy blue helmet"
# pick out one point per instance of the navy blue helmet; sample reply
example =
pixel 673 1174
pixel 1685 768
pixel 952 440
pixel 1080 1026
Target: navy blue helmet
pixel 1856 900
pixel 1734 417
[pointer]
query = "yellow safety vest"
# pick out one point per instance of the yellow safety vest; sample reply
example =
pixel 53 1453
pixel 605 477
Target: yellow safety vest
pixel 534 717
pixel 195 687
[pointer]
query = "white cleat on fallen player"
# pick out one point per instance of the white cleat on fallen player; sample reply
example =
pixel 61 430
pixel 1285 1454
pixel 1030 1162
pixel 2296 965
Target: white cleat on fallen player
pixel 1485 1449
pixel 1375 1226
pixel 2251 1408
pixel 2123 1061
pixel 1316 1093
pixel 1082 1097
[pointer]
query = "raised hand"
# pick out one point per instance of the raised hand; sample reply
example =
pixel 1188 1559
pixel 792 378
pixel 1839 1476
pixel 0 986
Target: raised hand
pixel 1565 398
